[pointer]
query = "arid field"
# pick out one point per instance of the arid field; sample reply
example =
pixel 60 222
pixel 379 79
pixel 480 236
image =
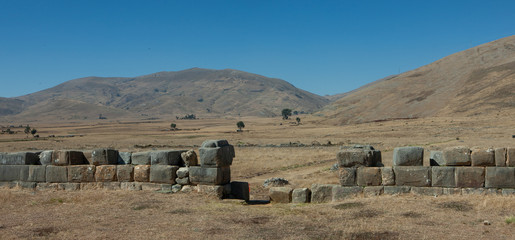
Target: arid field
pixel 268 147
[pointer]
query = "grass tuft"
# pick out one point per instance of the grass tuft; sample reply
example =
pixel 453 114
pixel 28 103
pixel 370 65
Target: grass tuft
pixel 510 219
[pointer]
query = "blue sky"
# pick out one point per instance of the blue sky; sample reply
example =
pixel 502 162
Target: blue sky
pixel 325 47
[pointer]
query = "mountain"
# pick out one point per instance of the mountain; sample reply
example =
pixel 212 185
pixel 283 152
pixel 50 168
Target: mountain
pixel 480 80
pixel 202 92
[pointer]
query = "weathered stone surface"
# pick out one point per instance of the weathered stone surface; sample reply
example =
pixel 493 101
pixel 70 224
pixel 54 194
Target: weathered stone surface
pixel 43 186
pixel 357 157
pixel 213 176
pixel 373 191
pixel 347 176
pixel 45 157
pixel 481 157
pixel 56 174
pixel 451 191
pixel 322 193
pixel 387 176
pixel 214 143
pixel 140 158
pixel 216 157
pixel 19 158
pixel 141 173
pixel 408 156
pixel 417 176
pixel 131 186
pixel 111 185
pixel 14 173
pixel 166 188
pixel 240 190
pixel 443 177
pixel 81 173
pixel 124 158
pixel 436 158
pixel 163 174
pixel 186 189
pixel 183 172
pixel 369 176
pixel 480 191
pixel 216 191
pixel 68 157
pixel 456 156
pixel 37 173
pixel 470 177
pixel 510 157
pixel 125 173
pixel 68 186
pixel 103 156
pixel 280 194
pixel 105 173
pixel 150 187
pixel 166 157
pixel 182 181
pixel 396 190
pixel 500 177
pixel 91 186
pixel 508 192
pixel 189 158
pixel 500 157
pixel 176 188
pixel 341 193
pixel 227 190
pixel 428 191
pixel 275 182
pixel 26 185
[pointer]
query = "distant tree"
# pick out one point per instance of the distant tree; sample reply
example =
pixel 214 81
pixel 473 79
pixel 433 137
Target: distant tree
pixel 298 120
pixel 173 126
pixel 27 130
pixel 295 112
pixel 33 132
pixel 240 125
pixel 286 113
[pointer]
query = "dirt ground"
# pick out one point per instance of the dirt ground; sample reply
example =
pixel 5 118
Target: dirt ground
pixel 136 215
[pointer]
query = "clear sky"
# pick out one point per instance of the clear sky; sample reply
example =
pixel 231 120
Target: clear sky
pixel 325 47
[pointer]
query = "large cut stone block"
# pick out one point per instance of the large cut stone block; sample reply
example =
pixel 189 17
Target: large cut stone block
pixel 396 190
pixel 45 157
pixel 387 176
pixel 341 193
pixel 37 173
pixel 166 157
pixel 443 177
pixel 428 191
pixel 141 173
pixel 163 174
pixel 456 156
pixel 436 158
pixel 213 176
pixel 189 158
pixel 416 176
pixel 369 176
pixel 280 194
pixel 347 176
pixel 141 158
pixel 216 157
pixel 81 173
pixel 500 177
pixel 301 195
pixel 125 173
pixel 131 186
pixel 408 156
pixel 103 156
pixel 105 173
pixel 510 157
pixel 19 158
pixel 124 158
pixel 470 177
pixel 240 190
pixel 322 193
pixel 56 174
pixel 500 157
pixel 68 157
pixel 216 191
pixel 358 157
pixel 373 191
pixel 483 158
pixel 14 173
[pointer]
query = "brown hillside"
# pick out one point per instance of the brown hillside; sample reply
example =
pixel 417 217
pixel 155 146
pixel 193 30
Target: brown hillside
pixel 479 80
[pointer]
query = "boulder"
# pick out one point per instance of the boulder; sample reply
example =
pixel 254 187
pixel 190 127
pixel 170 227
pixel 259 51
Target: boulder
pixel 417 176
pixel 189 158
pixel 436 158
pixel 124 158
pixel 482 157
pixel 163 174
pixel 500 157
pixel 45 157
pixel 280 194
pixel 37 173
pixel 141 173
pixel 470 177
pixel 456 156
pixel 105 173
pixel 341 193
pixel 140 158
pixel 408 156
pixel 358 157
pixel 56 174
pixel 81 173
pixel 19 158
pixel 369 176
pixel 183 172
pixel 125 173
pixel 500 177
pixel 166 157
pixel 387 176
pixel 14 173
pixel 347 176
pixel 210 176
pixel 322 193
pixel 443 177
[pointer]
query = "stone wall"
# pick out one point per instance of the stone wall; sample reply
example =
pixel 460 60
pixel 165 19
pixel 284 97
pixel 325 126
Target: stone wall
pixel 163 170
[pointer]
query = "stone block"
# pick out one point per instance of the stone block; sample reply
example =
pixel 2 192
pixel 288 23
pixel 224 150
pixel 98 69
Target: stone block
pixel 103 156
pixel 341 193
pixel 141 173
pixel 150 187
pixel 451 191
pixel 212 190
pixel 163 174
pixel 45 157
pixel 189 158
pixel 216 157
pixel 387 176
pixel 357 157
pixel 56 174
pixel 510 157
pixel 19 158
pixel 508 192
pixel 14 173
pixel 183 172
pixel 211 176
pixel 500 157
pixel 131 186
pixel 482 158
pixel 68 186
pixel 369 176
pixel 227 191
pixel 111 186
pixel 322 193
pixel 105 173
pixel 470 177
pixel 280 194
pixel 396 190
pixel 408 156
pixel 301 195
pixel 416 176
pixel 443 177
pixel 68 157
pixel 240 190
pixel 176 188
pixel 436 158
pixel 186 189
pixel 166 157
pixel 124 158
pixel 81 173
pixel 373 191
pixel 500 177
pixel 166 188
pixel 480 191
pixel 347 176
pixel 125 173
pixel 456 156
pixel 140 158
pixel 427 191
pixel 91 186
pixel 182 181
pixel 42 186
pixel 26 185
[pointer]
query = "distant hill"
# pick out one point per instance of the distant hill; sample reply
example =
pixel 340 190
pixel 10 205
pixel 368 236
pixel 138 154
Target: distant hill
pixel 202 92
pixel 480 80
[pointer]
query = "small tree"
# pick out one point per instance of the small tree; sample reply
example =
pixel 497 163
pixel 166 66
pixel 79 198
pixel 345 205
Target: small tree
pixel 173 126
pixel 27 130
pixel 286 113
pixel 240 125
pixel 298 120
pixel 33 132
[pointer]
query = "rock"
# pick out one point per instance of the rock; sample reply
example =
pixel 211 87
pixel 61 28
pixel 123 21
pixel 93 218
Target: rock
pixel 45 157
pixel 68 186
pixel 166 157
pixel 26 185
pixel 81 173
pixel 427 191
pixel 141 173
pixel 508 192
pixel 341 193
pixel 510 157
pixel 280 194
pixel 91 186
pixel 369 176
pixel 140 158
pixel 103 157
pixel 111 186
pixel 189 158
pixel 131 186
pixel 125 173
pixel 396 190
pixel 480 191
pixel 443 177
pixel 347 176
pixel 183 172
pixel 456 156
pixel 186 189
pixel 500 157
pixel 68 157
pixel 210 176
pixel 387 176
pixel 240 190
pixel 451 191
pixel 163 174
pixel 334 167
pixel 500 177
pixel 470 177
pixel 37 173
pixel 215 191
pixel 183 181
pixel 322 193
pixel 216 157
pixel 214 143
pixel 56 174
pixel 19 158
pixel 417 176
pixel 275 182
pixel 176 188
pixel 373 191
pixel 150 187
pixel 46 186
pixel 124 158
pixel 436 158
pixel 105 173
pixel 408 156
pixel 357 157
pixel 481 157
